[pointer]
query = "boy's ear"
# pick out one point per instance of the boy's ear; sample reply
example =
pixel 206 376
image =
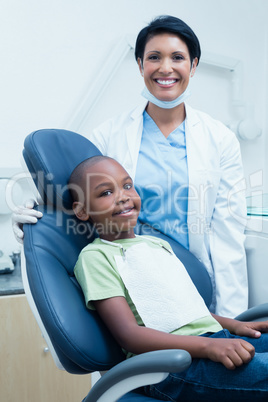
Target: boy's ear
pixel 80 211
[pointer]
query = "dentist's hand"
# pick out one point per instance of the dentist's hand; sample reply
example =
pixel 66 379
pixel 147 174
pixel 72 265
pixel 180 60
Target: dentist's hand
pixel 24 214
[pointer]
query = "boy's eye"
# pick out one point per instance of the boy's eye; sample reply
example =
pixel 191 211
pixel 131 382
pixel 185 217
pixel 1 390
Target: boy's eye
pixel 105 193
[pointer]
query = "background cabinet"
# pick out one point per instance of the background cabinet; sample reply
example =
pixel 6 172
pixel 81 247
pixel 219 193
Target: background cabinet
pixel 27 371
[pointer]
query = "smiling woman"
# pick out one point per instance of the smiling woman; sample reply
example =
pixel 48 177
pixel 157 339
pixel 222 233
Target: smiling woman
pixel 174 152
pixel 166 66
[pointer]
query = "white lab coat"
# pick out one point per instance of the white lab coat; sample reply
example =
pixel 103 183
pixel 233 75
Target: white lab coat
pixel 216 204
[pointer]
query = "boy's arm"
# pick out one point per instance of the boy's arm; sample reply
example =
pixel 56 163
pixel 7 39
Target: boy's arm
pixel 118 317
pixel 250 329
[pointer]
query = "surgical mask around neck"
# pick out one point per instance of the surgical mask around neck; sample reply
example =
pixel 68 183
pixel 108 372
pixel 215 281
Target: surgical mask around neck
pixel 166 104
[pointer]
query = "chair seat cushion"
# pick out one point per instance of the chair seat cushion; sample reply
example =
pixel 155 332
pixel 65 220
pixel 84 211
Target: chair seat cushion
pixel 136 396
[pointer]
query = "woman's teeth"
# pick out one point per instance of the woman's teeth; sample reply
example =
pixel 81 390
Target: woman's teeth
pixel 165 82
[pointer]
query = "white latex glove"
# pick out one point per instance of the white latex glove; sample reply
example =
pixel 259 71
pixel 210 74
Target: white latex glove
pixel 24 214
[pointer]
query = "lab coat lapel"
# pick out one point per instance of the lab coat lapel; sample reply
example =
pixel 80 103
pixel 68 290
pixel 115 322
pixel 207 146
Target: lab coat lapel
pixel 134 134
pixel 196 158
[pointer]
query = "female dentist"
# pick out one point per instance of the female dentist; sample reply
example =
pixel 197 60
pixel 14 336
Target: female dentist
pixel 186 166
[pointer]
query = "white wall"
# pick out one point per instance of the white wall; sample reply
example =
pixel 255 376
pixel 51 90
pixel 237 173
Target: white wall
pixel 52 50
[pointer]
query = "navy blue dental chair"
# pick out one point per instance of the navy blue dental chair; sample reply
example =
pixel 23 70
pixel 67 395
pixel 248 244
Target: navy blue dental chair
pixel 78 340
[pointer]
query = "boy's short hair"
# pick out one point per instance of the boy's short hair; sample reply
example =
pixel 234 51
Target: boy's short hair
pixel 77 177
pixel 168 24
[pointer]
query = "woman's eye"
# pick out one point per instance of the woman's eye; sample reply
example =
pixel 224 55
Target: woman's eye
pixel 128 186
pixel 178 57
pixel 153 57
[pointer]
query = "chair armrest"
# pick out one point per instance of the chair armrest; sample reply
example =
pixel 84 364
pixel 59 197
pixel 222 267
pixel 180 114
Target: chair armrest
pixel 256 313
pixel 147 368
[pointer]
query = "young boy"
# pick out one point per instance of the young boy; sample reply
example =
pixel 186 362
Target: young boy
pixel 147 300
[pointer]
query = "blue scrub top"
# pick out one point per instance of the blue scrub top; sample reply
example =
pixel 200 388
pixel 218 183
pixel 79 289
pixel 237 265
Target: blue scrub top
pixel 162 180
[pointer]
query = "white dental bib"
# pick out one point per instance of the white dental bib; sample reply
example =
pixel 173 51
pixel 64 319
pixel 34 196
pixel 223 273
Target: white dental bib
pixel 159 286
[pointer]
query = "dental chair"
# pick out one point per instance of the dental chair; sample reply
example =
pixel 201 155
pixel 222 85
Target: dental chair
pixel 77 339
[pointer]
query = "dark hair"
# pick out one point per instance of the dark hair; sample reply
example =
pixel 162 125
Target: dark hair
pixel 77 177
pixel 167 23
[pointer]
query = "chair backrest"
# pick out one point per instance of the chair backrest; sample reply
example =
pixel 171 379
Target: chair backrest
pixel 79 338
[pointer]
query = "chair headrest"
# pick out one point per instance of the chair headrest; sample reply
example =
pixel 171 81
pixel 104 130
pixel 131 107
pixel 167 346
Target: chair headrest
pixel 51 157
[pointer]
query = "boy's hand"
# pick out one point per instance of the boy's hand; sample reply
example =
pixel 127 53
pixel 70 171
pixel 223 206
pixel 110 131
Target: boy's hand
pixel 250 329
pixel 231 353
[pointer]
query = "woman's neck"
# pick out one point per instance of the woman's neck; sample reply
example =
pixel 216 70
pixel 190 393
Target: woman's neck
pixel 167 120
